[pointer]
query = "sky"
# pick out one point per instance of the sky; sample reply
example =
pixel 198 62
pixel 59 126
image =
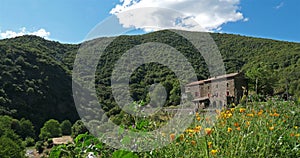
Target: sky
pixel 70 21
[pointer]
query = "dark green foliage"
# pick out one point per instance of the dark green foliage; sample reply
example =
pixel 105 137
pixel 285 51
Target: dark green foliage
pixel 9 148
pixel 26 129
pixel 29 141
pixel 78 128
pixel 10 143
pixel 50 129
pixel 39 146
pixel 35 80
pixel 66 127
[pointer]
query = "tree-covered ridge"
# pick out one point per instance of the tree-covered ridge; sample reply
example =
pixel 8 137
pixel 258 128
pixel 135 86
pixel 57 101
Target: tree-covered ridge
pixel 35 79
pixel 35 84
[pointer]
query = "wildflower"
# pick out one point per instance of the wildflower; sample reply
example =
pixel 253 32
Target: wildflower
pixel 181 137
pixel 198 118
pixel 260 112
pixel 271 128
pixel 208 131
pixel 209 144
pixel 297 135
pixel 242 110
pixel 232 109
pixel 193 142
pixel 236 124
pixel 197 114
pixel 213 152
pixel 229 129
pixel 292 134
pixel 250 115
pixel 239 128
pixel 248 123
pixel 197 129
pixel 189 131
pixel 275 114
pixel 228 115
pixel 172 136
pixel 296 127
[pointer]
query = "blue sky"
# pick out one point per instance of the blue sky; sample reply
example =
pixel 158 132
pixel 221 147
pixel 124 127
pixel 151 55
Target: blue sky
pixel 69 21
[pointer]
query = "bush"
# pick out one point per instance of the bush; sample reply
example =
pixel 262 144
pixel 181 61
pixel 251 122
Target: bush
pixel 66 127
pixel 29 141
pixel 39 146
pixel 50 129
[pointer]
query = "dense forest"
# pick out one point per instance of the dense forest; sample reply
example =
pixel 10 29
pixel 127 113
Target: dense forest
pixel 36 81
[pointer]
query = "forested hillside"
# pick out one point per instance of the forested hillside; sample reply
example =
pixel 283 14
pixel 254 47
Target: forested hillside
pixel 35 79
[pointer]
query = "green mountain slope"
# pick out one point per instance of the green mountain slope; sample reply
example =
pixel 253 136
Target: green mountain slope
pixel 35 84
pixel 35 79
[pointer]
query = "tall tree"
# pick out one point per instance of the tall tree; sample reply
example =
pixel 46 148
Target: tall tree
pixel 50 129
pixel 66 126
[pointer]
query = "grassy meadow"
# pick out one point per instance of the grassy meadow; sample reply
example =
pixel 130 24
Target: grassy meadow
pixel 258 129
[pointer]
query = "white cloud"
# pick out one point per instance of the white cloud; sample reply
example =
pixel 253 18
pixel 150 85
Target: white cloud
pixel 279 5
pixel 210 14
pixel 11 34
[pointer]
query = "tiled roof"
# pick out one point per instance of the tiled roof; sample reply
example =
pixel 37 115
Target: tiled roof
pixel 213 78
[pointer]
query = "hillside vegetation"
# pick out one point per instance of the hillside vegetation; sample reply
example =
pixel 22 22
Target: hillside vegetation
pixel 36 84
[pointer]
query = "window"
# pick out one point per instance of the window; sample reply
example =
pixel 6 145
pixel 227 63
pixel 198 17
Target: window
pixel 227 93
pixel 208 95
pixel 227 84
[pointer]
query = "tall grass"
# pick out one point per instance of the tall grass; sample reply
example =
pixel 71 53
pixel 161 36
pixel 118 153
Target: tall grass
pixel 270 129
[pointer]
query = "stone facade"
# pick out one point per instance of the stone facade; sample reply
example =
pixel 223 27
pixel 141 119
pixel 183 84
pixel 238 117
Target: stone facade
pixel 218 91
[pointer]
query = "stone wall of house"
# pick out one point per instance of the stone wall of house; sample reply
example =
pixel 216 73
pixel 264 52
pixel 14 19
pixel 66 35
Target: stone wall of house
pixel 218 90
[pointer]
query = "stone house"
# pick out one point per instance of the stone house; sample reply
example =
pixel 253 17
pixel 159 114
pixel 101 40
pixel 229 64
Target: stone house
pixel 218 91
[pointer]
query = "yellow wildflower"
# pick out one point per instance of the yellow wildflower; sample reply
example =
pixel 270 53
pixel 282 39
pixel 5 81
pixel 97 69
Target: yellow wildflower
pixel 260 112
pixel 232 109
pixel 197 128
pixel 208 131
pixel 271 128
pixel 229 129
pixel 209 144
pixel 242 110
pixel 189 131
pixel 248 123
pixel 181 137
pixel 213 152
pixel 250 115
pixel 275 114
